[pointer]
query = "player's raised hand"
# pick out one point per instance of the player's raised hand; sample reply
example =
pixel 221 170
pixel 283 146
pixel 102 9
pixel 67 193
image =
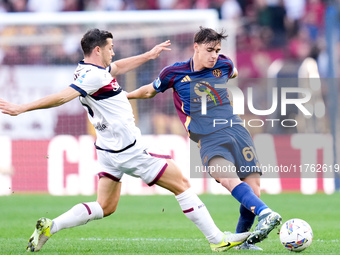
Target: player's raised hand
pixel 155 51
pixel 9 108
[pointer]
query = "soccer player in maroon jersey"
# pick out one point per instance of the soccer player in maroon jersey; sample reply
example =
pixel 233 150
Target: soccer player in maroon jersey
pixel 221 146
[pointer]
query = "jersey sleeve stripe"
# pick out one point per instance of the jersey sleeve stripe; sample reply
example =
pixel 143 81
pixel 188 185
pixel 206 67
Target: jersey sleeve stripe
pixel 183 116
pixel 170 69
pixel 81 91
pixel 231 69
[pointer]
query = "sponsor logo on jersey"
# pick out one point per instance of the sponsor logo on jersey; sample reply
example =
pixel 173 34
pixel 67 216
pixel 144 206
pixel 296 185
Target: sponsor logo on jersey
pixel 186 78
pixel 157 82
pixel 114 84
pixel 81 78
pixel 100 127
pixel 204 88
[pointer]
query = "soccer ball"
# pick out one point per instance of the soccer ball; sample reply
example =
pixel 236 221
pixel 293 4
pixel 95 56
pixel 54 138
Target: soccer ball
pixel 296 235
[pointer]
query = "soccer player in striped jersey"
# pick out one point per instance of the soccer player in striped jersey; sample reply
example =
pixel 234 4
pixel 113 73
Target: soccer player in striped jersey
pixel 227 146
pixel 119 148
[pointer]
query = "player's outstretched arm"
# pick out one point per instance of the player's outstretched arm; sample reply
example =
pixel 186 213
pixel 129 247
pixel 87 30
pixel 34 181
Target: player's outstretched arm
pixel 50 101
pixel 127 64
pixel 146 91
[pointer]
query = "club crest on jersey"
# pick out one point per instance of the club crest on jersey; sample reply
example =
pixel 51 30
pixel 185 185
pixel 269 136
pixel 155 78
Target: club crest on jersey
pixel 114 85
pixel 217 73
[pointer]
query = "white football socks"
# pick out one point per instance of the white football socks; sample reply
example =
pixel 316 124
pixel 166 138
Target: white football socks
pixel 79 214
pixel 196 211
pixel 190 203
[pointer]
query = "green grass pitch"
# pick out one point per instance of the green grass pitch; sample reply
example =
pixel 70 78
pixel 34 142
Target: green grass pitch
pixel 156 225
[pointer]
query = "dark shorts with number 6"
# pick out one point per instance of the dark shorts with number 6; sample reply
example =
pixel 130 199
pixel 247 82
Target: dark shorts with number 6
pixel 234 144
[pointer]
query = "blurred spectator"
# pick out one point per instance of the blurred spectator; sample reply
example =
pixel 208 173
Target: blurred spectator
pixel 73 5
pixel 295 11
pixel 202 4
pixel 2 55
pixel 278 20
pixel 45 6
pixel 103 5
pixel 253 55
pixel 300 46
pixel 146 5
pixel 141 5
pixel 3 6
pixel 313 19
pixel 271 16
pixel 16 5
pixel 244 4
pixel 183 4
pixel 12 56
pixel 34 55
pixel 166 4
pixel 231 10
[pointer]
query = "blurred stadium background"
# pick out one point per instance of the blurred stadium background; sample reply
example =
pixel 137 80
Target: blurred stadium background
pixel 51 151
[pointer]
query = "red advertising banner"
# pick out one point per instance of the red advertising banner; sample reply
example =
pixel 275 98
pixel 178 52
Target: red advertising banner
pixel 67 165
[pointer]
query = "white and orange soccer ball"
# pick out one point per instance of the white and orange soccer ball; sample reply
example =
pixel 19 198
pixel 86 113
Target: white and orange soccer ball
pixel 296 235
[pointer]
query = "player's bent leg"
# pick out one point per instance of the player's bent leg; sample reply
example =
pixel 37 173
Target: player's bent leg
pixel 246 219
pixel 243 193
pixel 195 210
pixel 172 179
pixel 108 194
pixel 267 221
pixel 108 197
pixel 254 181
pixel 228 179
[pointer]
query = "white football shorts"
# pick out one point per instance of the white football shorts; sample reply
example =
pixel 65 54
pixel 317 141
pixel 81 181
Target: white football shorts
pixel 136 161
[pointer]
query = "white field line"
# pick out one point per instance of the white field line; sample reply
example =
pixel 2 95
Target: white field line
pixel 123 239
pixel 140 239
pixel 176 239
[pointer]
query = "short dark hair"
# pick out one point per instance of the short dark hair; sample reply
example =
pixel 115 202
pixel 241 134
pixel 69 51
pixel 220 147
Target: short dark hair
pixel 208 35
pixel 93 38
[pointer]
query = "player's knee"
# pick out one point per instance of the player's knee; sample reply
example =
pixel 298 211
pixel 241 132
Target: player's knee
pixel 108 209
pixel 186 183
pixel 180 186
pixel 257 192
pixel 228 183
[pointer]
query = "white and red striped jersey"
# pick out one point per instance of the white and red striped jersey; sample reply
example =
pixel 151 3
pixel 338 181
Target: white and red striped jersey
pixel 108 108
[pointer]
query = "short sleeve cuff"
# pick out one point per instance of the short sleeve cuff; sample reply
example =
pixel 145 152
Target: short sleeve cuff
pixel 81 91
